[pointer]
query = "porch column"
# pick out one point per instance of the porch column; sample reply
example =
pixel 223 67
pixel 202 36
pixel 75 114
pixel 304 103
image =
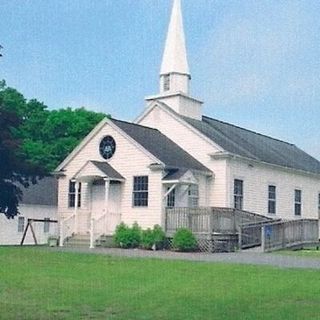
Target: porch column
pixel 76 206
pixel 106 201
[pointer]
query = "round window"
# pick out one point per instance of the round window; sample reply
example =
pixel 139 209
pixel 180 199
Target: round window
pixel 107 147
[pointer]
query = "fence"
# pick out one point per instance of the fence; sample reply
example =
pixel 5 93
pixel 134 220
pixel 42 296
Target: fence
pixel 251 230
pixel 209 220
pixel 286 234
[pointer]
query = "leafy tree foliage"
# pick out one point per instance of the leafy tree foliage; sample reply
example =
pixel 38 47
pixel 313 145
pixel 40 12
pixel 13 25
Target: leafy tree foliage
pixel 34 140
pixel 14 166
pixel 48 136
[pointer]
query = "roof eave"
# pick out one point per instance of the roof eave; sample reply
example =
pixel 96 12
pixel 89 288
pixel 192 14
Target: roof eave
pixel 228 155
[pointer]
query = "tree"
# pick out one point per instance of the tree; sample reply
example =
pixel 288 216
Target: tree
pixel 61 131
pixel 48 136
pixel 33 141
pixel 14 166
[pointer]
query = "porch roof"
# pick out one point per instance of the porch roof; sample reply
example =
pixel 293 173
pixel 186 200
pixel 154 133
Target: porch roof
pixel 174 174
pixel 98 169
pixel 180 176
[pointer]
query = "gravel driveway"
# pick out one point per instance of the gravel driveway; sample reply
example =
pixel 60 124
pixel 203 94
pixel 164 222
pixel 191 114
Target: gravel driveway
pixel 276 260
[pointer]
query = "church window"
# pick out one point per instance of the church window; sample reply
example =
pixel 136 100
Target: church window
pixel 171 198
pixel 193 196
pixel 166 82
pixel 272 199
pixel 46 225
pixel 20 224
pixel 140 191
pixel 238 194
pixel 297 202
pixel 72 194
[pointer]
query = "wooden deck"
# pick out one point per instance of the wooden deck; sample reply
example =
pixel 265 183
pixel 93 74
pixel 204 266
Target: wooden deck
pixel 210 219
pixel 227 229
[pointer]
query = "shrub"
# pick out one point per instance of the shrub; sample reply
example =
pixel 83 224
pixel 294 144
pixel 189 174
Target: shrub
pixel 184 240
pixel 153 238
pixel 126 237
pixel 147 239
pixel 159 237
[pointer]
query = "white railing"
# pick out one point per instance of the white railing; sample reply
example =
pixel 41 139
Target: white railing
pixel 113 219
pixel 97 228
pixel 67 226
pixel 103 225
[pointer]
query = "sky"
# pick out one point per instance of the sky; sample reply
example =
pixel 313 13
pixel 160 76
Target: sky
pixel 255 64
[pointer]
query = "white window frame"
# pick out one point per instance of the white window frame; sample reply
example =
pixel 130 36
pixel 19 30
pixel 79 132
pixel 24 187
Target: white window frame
pixel 297 203
pixel 171 197
pixel 193 196
pixel 166 82
pixel 238 196
pixel 272 199
pixel 46 225
pixel 21 222
pixel 72 194
pixel 140 189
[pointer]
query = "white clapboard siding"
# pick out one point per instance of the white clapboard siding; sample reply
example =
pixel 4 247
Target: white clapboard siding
pixel 257 178
pixel 9 234
pixel 129 161
pixel 196 146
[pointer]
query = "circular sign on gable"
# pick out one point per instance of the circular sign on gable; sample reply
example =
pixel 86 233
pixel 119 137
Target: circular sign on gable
pixel 107 147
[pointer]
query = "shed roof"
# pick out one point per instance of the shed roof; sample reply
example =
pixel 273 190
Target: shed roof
pixel 44 192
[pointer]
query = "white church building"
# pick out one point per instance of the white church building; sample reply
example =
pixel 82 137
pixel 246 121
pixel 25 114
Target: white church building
pixel 174 156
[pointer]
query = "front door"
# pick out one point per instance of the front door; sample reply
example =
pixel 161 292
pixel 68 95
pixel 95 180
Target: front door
pixel 97 199
pixel 98 204
pixel 114 197
pixel 114 207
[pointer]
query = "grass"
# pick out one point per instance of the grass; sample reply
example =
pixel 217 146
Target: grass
pixel 311 253
pixel 37 283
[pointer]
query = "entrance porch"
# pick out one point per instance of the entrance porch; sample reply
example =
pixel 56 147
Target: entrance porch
pixel 101 186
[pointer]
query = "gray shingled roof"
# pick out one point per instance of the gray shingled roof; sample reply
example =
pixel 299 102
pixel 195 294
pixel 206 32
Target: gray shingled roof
pixel 160 146
pixel 108 170
pixel 253 145
pixel 45 192
pixel 174 174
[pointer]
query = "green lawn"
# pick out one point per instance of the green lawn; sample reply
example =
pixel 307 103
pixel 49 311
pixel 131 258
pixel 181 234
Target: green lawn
pixel 312 253
pixel 36 283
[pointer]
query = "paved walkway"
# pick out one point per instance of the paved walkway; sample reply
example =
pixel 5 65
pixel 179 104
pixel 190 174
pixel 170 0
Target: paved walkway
pixel 276 260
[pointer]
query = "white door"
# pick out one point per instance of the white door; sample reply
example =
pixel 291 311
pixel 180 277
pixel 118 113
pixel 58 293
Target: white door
pixel 114 198
pixel 97 200
pixel 114 207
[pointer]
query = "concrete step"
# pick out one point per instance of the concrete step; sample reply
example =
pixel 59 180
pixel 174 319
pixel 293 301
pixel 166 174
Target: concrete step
pixel 78 240
pixel 81 236
pixel 105 241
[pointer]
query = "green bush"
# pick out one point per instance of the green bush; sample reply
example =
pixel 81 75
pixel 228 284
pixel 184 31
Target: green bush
pixel 184 240
pixel 147 239
pixel 153 238
pixel 159 237
pixel 126 237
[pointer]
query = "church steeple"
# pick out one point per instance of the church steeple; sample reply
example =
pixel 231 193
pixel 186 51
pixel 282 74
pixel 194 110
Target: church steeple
pixel 175 74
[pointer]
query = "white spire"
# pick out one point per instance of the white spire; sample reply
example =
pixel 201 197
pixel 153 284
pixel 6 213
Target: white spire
pixel 175 53
pixel 174 75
